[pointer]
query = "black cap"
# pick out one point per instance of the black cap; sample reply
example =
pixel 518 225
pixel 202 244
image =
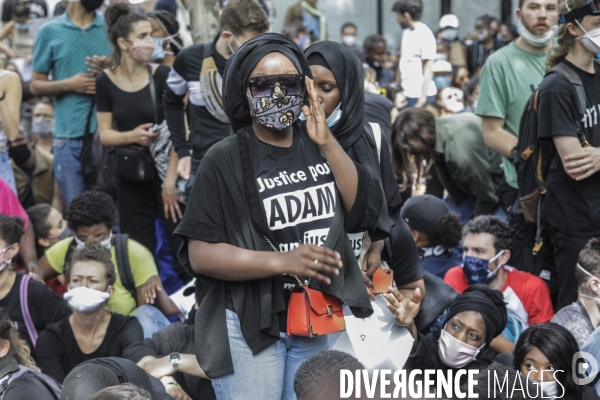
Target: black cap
pixel 424 213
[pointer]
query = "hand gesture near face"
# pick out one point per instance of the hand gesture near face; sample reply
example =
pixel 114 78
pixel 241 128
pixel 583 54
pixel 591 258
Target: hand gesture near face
pixel 316 123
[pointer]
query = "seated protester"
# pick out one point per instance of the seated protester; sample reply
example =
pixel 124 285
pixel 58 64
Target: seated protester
pixel 475 318
pixel 93 376
pixel 486 243
pixel 41 307
pixel 453 151
pixel 125 391
pixel 34 175
pixel 91 331
pixel 170 356
pixel 375 48
pixel 42 123
pixel 436 232
pixel 92 215
pixel 545 355
pixel 21 378
pixel 318 378
pixel 49 227
pixel 583 317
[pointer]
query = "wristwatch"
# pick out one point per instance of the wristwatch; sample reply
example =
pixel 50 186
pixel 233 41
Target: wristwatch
pixel 175 358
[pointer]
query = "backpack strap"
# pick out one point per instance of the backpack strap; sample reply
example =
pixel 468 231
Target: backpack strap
pixel 24 301
pixel 575 80
pixel 70 250
pixel 377 134
pixel 50 383
pixel 123 265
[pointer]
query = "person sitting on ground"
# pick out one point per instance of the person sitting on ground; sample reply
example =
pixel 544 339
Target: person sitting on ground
pixel 126 391
pixel 545 354
pixel 42 123
pixel 91 331
pixel 583 317
pixel 475 318
pixel 319 376
pixel 92 214
pixel 451 149
pixel 487 242
pixel 91 377
pixel 41 307
pixel 170 356
pixel 20 376
pixel 49 227
pixel 436 231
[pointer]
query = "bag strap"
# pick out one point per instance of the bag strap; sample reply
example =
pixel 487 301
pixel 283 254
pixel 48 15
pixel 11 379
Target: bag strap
pixel 575 80
pixel 153 94
pixel 377 134
pixel 88 123
pixel 24 302
pixel 123 265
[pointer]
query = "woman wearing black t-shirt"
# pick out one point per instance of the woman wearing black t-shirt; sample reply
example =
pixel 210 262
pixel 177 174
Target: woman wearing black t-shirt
pixel 126 114
pixel 91 332
pixel 281 181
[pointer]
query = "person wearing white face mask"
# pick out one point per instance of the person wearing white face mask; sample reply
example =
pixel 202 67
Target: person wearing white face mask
pixel 568 214
pixel 91 331
pixel 545 355
pixel 474 319
pixel 508 78
pixel 41 307
pixel 348 37
pixel 583 316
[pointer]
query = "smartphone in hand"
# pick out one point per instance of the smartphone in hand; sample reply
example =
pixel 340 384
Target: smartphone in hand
pixel 382 279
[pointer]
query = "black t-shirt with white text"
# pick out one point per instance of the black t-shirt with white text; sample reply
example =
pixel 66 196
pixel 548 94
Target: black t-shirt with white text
pixel 569 205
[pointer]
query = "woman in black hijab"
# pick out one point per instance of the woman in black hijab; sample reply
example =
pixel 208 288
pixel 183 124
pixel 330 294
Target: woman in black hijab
pixel 339 80
pixel 273 201
pixel 475 318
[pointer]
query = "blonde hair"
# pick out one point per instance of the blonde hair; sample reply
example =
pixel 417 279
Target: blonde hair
pixel 566 41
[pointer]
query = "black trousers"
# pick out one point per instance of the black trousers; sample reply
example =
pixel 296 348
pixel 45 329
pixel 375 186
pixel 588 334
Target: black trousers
pixel 139 205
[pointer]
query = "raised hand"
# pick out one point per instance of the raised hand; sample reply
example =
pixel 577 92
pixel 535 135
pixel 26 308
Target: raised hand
pixel 404 310
pixel 316 123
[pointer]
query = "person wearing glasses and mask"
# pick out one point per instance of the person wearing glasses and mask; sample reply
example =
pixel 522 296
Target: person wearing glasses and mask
pixel 42 306
pixel 198 70
pixel 475 318
pixel 486 251
pixel 92 215
pixel 277 199
pixel 91 331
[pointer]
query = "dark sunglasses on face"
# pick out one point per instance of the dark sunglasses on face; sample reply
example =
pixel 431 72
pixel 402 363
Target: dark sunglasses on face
pixel 264 86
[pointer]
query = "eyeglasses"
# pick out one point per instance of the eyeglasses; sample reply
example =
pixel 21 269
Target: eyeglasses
pixel 592 7
pixel 264 86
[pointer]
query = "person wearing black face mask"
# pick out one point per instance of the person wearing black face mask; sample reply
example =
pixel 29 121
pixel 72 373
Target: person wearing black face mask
pixel 34 173
pixel 62 48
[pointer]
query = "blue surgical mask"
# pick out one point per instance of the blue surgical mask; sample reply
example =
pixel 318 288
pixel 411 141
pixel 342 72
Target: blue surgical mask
pixel 441 81
pixel 332 119
pixel 304 42
pixel 476 269
pixel 21 26
pixel 105 243
pixel 160 53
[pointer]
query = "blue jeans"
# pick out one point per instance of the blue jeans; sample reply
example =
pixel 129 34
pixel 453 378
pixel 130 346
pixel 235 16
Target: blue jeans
pixel 6 172
pixel 268 375
pixel 466 209
pixel 151 319
pixel 67 168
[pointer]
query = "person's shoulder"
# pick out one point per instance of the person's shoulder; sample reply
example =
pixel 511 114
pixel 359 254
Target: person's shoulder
pixel 136 249
pixel 162 69
pixel 118 321
pixel 567 314
pixel 54 330
pixel 555 82
pixel 59 248
pixel 222 148
pixel 27 386
pixel 52 25
pixel 525 280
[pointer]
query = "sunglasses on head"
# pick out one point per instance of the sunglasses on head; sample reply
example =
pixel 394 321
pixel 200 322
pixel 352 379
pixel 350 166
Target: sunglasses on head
pixel 592 7
pixel 264 85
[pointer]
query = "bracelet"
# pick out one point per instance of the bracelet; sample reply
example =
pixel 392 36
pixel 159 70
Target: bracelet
pixel 173 383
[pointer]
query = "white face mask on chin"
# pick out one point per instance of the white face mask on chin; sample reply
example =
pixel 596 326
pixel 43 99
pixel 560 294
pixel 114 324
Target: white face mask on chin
pixel 539 40
pixel 86 300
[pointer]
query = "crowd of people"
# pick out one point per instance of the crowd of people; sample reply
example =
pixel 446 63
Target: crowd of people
pixel 167 211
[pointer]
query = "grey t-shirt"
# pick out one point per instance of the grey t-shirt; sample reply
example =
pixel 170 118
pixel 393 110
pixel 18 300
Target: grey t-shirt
pixel 575 318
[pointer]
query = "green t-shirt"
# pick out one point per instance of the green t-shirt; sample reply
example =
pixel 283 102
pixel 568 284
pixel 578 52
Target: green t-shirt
pixel 509 77
pixel 142 269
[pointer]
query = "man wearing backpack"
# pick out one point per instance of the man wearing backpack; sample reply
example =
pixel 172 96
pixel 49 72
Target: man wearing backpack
pixel 570 211
pixel 508 79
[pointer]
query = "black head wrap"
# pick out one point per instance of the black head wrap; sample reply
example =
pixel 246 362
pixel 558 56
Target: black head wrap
pixel 240 65
pixel 350 129
pixel 487 302
pixel 348 72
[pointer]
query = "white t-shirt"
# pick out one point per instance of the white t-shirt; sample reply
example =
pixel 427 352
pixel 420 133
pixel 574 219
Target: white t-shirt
pixel 417 45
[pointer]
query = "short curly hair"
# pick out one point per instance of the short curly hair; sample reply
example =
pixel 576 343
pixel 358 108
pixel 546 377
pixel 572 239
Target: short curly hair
pixel 320 369
pixel 91 208
pixel 494 226
pixel 11 229
pixel 447 233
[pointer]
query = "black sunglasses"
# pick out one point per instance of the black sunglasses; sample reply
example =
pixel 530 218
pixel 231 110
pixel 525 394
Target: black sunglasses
pixel 264 85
